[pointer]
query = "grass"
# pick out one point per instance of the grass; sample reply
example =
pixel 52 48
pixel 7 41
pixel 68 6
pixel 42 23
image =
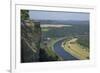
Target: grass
pixel 45 29
pixel 49 50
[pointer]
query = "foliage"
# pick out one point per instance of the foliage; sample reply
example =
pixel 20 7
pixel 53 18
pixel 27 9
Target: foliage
pixel 24 14
pixel 84 41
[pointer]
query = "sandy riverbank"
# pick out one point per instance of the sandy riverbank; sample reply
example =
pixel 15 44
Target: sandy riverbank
pixel 75 49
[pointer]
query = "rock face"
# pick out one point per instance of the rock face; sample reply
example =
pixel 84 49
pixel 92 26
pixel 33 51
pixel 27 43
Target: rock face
pixel 30 41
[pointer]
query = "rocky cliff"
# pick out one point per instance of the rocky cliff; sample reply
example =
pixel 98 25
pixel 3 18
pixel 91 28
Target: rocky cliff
pixel 30 41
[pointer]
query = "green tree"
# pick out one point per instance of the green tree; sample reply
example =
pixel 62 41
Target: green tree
pixel 24 14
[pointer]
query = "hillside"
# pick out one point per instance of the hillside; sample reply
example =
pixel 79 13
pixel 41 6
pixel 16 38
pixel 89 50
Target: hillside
pixel 30 41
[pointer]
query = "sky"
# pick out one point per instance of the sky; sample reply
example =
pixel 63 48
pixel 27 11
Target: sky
pixel 47 15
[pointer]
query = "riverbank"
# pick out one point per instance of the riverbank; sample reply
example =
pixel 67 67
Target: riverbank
pixel 59 50
pixel 75 49
pixel 50 51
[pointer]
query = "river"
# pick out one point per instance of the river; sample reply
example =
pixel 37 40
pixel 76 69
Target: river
pixel 61 52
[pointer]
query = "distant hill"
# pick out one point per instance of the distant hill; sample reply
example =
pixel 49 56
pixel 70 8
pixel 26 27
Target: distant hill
pixel 63 22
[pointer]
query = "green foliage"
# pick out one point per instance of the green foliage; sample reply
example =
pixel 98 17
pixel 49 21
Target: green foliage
pixel 83 41
pixel 24 14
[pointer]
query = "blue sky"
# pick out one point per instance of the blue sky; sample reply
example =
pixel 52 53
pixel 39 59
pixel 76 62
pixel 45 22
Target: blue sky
pixel 47 15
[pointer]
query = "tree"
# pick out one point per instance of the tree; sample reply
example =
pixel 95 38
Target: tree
pixel 24 15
